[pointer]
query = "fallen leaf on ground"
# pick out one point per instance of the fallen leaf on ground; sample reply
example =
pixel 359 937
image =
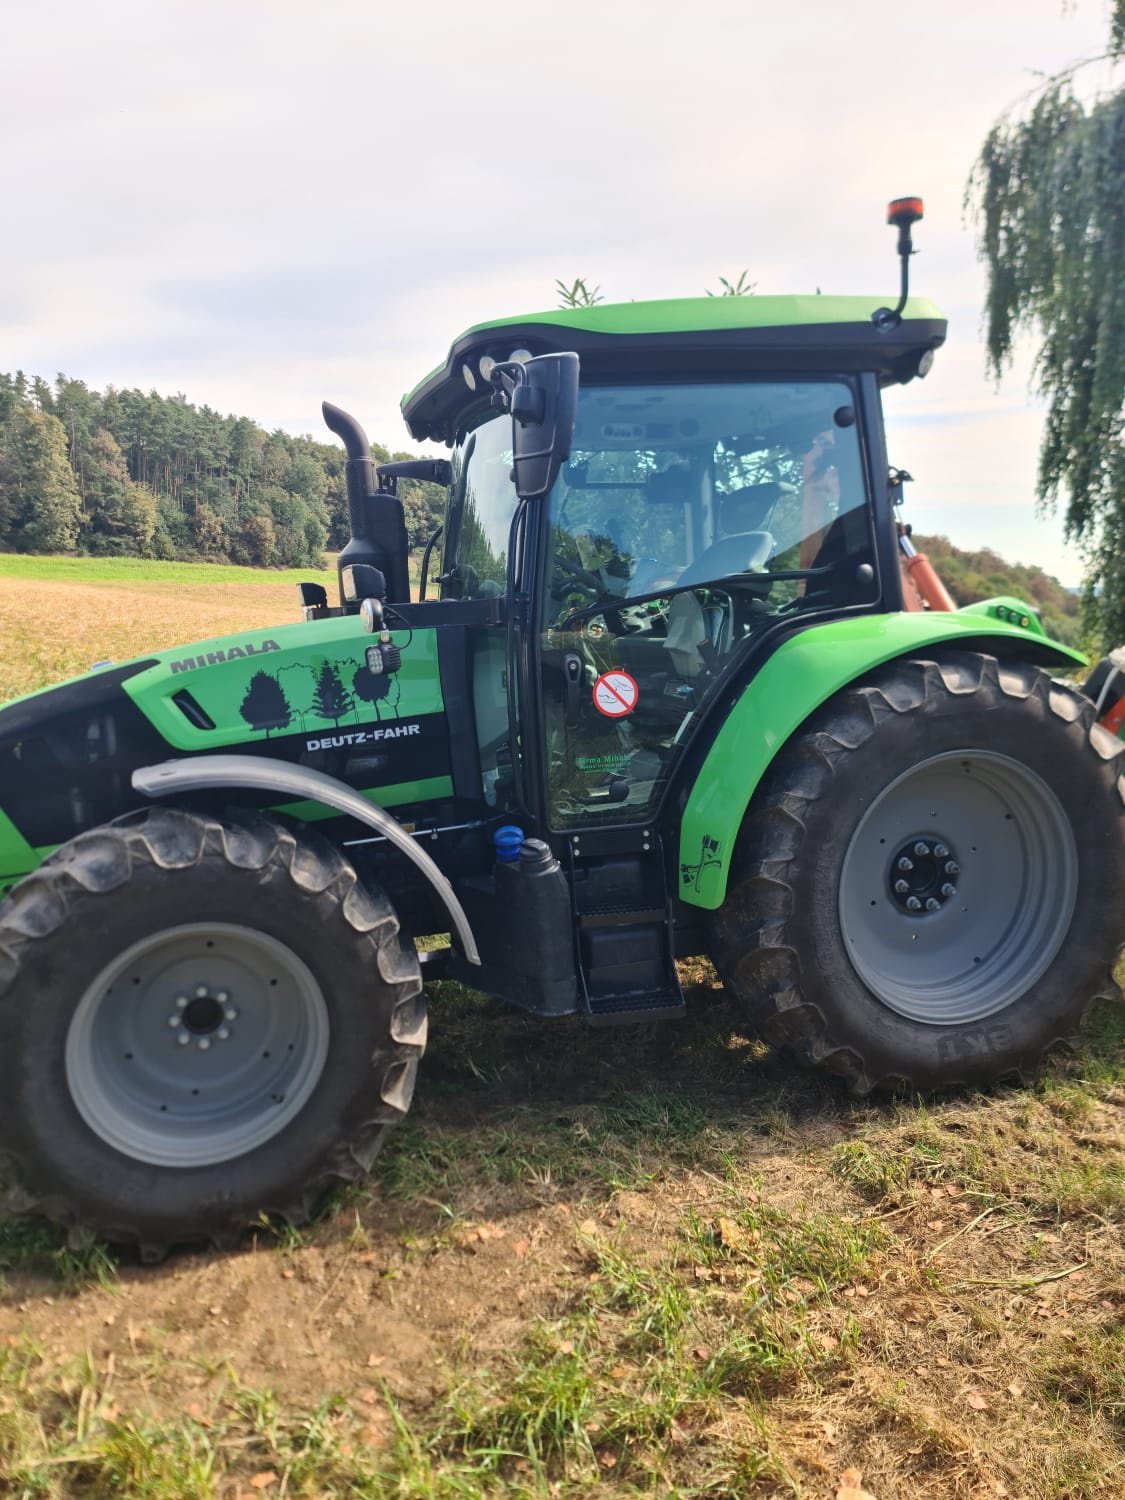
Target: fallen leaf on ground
pixel 263 1480
pixel 730 1235
pixel 520 1249
pixel 977 1401
pixel 588 1226
pixel 851 1486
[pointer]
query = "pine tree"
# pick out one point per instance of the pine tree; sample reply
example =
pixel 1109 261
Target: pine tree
pixel 39 506
pixel 331 699
pixel 119 515
pixel 265 705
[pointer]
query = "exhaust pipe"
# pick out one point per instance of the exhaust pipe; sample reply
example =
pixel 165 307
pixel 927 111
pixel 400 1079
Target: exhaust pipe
pixel 376 519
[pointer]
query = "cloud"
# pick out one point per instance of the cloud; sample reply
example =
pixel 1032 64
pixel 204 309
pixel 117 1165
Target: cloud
pixel 261 204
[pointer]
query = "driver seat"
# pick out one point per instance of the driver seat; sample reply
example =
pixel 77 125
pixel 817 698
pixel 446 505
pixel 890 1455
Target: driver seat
pixel 745 547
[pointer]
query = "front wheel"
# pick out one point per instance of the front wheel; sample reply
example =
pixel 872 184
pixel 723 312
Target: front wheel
pixel 201 1022
pixel 929 886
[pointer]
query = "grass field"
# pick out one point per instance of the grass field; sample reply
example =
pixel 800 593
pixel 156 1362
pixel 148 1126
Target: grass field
pixel 649 1262
pixel 58 615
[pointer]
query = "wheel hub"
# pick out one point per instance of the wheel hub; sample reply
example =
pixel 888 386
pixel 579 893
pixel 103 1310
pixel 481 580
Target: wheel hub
pixel 953 957
pixel 923 875
pixel 197 1044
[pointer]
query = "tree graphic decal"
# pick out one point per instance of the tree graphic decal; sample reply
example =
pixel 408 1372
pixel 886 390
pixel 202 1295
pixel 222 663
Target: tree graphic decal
pixel 331 699
pixel 371 686
pixel 265 706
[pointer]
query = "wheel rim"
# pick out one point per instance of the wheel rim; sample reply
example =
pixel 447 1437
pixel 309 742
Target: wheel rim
pixel 196 1045
pixel 982 932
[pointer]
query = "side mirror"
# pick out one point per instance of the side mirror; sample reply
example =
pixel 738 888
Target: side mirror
pixel 542 396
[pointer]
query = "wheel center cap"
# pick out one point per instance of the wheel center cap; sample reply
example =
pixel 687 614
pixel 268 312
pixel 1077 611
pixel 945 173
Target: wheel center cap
pixel 202 1015
pixel 923 875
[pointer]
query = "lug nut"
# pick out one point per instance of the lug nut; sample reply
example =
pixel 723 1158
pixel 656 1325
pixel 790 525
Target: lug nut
pixel 174 1020
pixel 223 1033
pixel 913 904
pixel 940 851
pixel 921 850
pixel 201 992
pixel 901 887
pixel 181 1002
pixel 203 1043
pixel 183 1039
pixel 905 863
pixel 222 996
pixel 952 867
pixel 948 890
pixel 230 1014
pixel 932 903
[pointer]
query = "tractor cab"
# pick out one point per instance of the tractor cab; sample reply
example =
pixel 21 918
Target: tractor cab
pixel 722 485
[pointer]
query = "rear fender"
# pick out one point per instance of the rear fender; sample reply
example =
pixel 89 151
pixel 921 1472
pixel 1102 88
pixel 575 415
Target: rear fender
pixel 803 673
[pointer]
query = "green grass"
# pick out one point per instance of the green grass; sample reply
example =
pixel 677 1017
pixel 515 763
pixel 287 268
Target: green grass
pixel 29 1247
pixel 1053 1150
pixel 124 570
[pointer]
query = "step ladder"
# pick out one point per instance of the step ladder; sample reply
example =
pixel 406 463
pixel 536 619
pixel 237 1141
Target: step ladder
pixel 623 927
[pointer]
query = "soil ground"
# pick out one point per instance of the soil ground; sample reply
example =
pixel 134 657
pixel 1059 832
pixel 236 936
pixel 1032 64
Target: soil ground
pixel 644 1262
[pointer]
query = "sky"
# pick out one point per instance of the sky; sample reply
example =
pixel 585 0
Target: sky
pixel 263 203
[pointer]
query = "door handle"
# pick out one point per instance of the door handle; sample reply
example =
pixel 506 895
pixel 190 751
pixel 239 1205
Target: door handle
pixel 572 678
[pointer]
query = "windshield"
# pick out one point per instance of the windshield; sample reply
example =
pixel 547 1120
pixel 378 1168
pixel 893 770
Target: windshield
pixel 673 487
pixel 481 506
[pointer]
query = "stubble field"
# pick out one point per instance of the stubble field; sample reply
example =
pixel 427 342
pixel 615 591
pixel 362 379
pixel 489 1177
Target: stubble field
pixel 654 1262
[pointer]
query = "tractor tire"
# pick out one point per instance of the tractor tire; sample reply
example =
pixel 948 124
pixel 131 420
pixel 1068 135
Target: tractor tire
pixel 929 886
pixel 202 1022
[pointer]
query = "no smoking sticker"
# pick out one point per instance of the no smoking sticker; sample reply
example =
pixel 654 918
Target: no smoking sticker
pixel 615 694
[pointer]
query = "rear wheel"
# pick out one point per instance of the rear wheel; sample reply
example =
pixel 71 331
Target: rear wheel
pixel 928 888
pixel 203 1022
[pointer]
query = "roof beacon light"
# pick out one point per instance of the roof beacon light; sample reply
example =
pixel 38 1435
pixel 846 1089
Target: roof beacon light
pixel 902 213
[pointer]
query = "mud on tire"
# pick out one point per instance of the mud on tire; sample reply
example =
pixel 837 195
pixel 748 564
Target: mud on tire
pixel 101 1127
pixel 816 939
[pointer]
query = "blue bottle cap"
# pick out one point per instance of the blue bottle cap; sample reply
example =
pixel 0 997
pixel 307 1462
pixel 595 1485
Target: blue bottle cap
pixel 508 841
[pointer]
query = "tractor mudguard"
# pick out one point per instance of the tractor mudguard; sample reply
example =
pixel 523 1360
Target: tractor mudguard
pixel 208 772
pixel 804 672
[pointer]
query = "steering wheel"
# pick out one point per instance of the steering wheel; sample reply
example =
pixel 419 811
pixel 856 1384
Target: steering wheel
pixel 574 580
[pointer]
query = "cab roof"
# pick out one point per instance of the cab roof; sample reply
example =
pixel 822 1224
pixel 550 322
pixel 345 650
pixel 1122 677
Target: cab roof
pixel 685 336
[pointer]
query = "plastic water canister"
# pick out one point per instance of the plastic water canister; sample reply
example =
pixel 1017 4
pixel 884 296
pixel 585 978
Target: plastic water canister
pixel 508 841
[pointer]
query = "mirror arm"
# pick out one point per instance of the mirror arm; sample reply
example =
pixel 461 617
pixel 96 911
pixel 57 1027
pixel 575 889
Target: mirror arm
pixel 425 568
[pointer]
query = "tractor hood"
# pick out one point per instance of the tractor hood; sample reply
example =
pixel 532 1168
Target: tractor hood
pixel 697 335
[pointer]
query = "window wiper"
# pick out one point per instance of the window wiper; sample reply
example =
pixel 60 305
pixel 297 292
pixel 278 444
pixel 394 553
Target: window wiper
pixel 611 603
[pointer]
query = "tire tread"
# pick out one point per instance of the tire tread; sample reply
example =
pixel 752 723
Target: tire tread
pixel 752 945
pixel 102 860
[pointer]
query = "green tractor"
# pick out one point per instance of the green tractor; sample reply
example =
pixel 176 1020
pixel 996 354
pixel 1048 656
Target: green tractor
pixel 659 697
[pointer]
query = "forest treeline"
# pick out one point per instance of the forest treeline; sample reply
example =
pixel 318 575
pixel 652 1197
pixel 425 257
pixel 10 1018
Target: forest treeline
pixel 983 574
pixel 125 474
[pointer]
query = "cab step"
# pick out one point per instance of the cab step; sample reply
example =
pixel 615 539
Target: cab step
pixel 622 915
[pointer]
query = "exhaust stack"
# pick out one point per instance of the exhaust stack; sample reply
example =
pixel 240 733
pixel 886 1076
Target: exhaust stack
pixel 376 519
